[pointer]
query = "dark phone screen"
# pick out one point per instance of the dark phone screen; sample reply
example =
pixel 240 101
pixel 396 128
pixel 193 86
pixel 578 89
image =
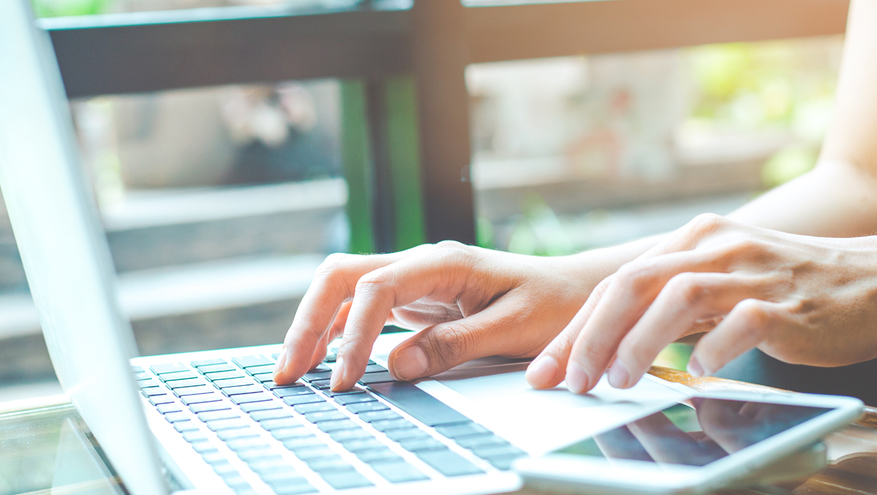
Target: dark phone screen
pixel 695 436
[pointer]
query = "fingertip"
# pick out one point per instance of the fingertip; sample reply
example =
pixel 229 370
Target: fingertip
pixel 618 375
pixel 543 372
pixel 577 380
pixel 338 378
pixel 409 363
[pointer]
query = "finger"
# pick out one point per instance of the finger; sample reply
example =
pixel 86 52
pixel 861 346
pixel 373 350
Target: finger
pixel 548 369
pixel 744 328
pixel 684 300
pixel 448 344
pixel 333 284
pixel 378 292
pixel 334 332
pixel 629 293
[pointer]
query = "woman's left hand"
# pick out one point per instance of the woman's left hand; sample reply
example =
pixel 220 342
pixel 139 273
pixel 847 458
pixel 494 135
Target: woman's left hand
pixel 800 299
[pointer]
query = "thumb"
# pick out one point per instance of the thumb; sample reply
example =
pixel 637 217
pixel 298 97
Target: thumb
pixel 445 345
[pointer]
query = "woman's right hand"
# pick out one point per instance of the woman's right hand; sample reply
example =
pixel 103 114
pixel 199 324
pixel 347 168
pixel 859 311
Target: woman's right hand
pixel 466 302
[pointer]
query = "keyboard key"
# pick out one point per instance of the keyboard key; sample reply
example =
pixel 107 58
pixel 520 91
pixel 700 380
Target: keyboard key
pixel 498 451
pixel 481 441
pixel 226 435
pixel 333 464
pixel 448 463
pixel 160 369
pixel 136 369
pixel 330 426
pixel 289 433
pixel 168 408
pixel 293 489
pixel 462 430
pixel 267 379
pixel 303 443
pixel 314 452
pixel 321 367
pixel 186 391
pixel 359 407
pixel 224 375
pixel 176 417
pixel 259 406
pixel 379 377
pixel 322 384
pixel 314 407
pixel 265 467
pixel 247 398
pixel 269 414
pixel 346 479
pixel 215 415
pixel 377 455
pixel 149 382
pixel 246 389
pixel 422 444
pixel 374 368
pixel 226 470
pixel 232 382
pixel 208 406
pixel 184 426
pixel 303 399
pixel 141 375
pixel 320 416
pixel 160 399
pixel 412 433
pixel 250 361
pixel 354 390
pixel 203 446
pixel 391 424
pixel 372 416
pixel 216 368
pixel 194 436
pixel 190 382
pixel 503 462
pixel 226 424
pixel 253 454
pixel 276 424
pixel 317 375
pixel 419 404
pixel 244 443
pixel 201 398
pixel 357 446
pixel 150 392
pixel 207 362
pixel 353 398
pixel 261 370
pixel 176 377
pixel 293 390
pixel 214 458
pixel 349 434
pixel 331 356
pixel 399 472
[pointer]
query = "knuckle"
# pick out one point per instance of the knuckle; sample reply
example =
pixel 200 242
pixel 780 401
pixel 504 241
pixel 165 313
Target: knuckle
pixel 334 265
pixel 754 314
pixel 634 276
pixel 687 288
pixel 453 250
pixel 373 282
pixel 450 345
pixel 706 223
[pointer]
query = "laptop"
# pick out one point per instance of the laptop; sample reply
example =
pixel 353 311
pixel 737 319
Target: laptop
pixel 215 421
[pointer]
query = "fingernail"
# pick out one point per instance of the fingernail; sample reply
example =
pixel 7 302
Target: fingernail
pixel 281 360
pixel 618 375
pixel 410 363
pixel 694 367
pixel 337 374
pixel 542 371
pixel 576 378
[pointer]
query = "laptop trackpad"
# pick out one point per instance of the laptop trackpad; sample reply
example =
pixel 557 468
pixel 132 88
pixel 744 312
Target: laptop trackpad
pixel 493 392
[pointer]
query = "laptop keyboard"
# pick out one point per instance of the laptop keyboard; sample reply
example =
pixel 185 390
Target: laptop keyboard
pixel 336 437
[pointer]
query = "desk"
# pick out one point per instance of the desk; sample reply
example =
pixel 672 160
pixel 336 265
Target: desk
pixel 47 443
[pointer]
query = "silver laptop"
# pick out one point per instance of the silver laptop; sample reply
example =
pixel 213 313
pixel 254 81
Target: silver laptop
pixel 216 420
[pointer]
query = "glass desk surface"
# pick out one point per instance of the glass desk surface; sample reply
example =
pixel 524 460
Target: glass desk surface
pixel 49 450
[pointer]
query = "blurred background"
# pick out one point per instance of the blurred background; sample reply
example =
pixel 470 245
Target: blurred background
pixel 219 202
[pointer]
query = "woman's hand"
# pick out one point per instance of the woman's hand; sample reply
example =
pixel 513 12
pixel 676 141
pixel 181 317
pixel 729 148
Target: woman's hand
pixel 800 299
pixel 468 302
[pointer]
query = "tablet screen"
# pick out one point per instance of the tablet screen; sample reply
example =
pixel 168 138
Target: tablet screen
pixel 695 436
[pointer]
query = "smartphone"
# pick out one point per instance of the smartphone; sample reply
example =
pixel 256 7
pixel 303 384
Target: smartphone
pixel 700 445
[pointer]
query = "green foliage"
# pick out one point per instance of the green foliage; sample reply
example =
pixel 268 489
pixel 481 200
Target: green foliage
pixel 787 164
pixel 63 8
pixel 539 231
